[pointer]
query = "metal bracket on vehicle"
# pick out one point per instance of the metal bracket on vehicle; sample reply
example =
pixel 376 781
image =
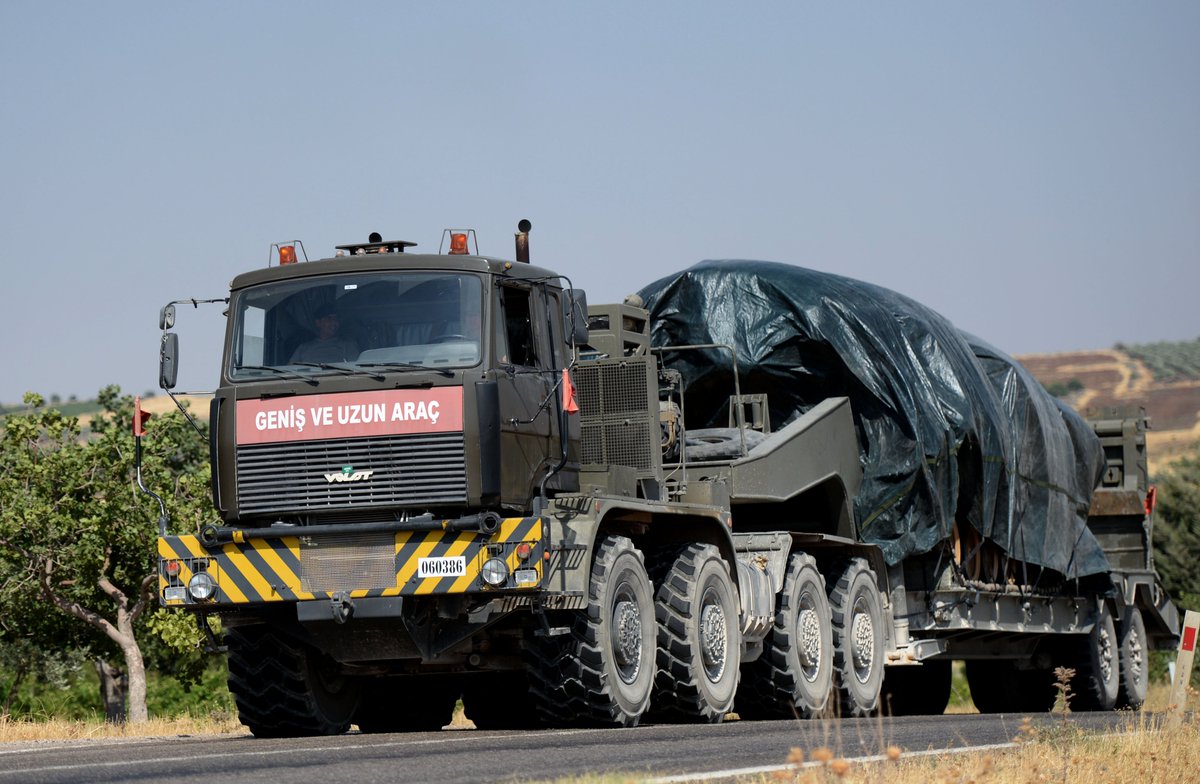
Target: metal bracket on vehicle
pixel 342 607
pixel 538 607
pixel 210 638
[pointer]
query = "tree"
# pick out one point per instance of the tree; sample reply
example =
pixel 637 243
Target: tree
pixel 77 537
pixel 1177 530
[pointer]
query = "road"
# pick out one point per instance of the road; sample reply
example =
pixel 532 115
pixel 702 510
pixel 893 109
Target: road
pixel 454 756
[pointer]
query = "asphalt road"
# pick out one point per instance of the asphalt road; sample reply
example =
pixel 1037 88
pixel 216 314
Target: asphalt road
pixel 472 756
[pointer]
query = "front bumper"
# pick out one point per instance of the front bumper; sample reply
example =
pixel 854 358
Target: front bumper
pixel 261 567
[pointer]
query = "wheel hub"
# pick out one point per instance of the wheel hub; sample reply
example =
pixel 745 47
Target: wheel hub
pixel 627 639
pixel 862 635
pixel 1106 654
pixel 713 640
pixel 809 628
pixel 1135 655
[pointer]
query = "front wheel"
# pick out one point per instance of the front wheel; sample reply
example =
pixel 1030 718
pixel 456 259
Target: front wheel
pixel 858 639
pixel 699 640
pixel 284 689
pixel 602 671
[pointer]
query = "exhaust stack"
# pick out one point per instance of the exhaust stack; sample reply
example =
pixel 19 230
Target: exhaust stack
pixel 523 240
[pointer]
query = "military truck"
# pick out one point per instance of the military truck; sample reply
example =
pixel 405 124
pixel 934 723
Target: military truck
pixel 443 476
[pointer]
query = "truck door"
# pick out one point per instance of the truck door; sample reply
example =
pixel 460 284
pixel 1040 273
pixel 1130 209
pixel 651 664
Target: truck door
pixel 528 430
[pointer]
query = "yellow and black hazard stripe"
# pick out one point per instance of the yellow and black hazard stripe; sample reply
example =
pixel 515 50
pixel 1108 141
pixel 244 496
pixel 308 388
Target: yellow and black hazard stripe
pixel 290 568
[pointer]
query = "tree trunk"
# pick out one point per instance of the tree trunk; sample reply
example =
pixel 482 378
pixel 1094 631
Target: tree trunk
pixel 11 693
pixel 135 667
pixel 113 687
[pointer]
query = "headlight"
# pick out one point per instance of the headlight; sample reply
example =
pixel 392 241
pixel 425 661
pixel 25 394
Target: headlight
pixel 494 572
pixel 202 586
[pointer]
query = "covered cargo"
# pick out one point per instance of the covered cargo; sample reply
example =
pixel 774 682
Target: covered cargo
pixel 949 428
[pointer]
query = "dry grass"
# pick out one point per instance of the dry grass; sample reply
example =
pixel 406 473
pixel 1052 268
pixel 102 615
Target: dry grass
pixel 1142 750
pixel 12 730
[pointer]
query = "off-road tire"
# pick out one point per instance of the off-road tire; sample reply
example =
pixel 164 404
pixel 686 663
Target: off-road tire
pixel 793 677
pixel 284 689
pixel 601 672
pixel 408 703
pixel 1097 666
pixel 1134 660
pixel 699 637
pixel 858 639
pixel 998 686
pixel 922 690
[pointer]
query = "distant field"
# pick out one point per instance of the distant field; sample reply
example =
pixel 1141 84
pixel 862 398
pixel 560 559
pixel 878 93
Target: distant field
pixel 86 409
pixel 1163 378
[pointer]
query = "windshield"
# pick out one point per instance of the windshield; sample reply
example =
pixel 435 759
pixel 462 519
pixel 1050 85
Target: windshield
pixel 367 321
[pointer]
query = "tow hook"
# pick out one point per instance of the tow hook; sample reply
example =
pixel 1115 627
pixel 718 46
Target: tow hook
pixel 342 607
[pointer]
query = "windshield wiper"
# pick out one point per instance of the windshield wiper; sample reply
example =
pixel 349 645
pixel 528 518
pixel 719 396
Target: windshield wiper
pixel 346 370
pixel 407 366
pixel 280 371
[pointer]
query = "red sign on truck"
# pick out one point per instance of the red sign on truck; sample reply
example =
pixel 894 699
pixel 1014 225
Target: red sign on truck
pixel 350 415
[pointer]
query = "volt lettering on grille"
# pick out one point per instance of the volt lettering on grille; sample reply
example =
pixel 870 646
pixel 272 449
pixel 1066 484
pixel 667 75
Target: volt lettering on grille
pixel 348 474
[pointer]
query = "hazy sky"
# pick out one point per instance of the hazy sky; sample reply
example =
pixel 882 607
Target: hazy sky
pixel 1031 170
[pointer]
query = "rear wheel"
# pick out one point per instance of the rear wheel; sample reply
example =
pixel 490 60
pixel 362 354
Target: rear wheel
pixel 699 640
pixel 793 678
pixel 1097 668
pixel 922 690
pixel 858 639
pixel 409 703
pixel 1134 673
pixel 284 689
pixel 601 671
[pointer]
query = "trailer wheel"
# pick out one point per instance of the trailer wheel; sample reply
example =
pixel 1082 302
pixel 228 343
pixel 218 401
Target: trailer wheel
pixel 1097 666
pixel 1134 673
pixel 858 639
pixel 284 689
pixel 602 671
pixel 923 690
pixel 699 637
pixel 410 703
pixel 793 678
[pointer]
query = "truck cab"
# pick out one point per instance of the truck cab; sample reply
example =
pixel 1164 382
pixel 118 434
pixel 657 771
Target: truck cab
pixel 392 384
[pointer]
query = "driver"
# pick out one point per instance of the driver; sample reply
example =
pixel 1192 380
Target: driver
pixel 328 346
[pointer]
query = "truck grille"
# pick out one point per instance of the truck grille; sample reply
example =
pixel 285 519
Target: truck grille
pixel 403 470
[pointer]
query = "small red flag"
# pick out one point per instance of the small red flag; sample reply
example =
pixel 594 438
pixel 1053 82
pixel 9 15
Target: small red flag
pixel 139 418
pixel 568 393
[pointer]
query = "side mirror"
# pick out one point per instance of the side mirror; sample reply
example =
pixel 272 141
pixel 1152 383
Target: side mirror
pixel 168 360
pixel 575 319
pixel 166 317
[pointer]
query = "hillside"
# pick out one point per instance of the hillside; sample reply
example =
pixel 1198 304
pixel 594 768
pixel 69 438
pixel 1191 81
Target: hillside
pixel 1163 378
